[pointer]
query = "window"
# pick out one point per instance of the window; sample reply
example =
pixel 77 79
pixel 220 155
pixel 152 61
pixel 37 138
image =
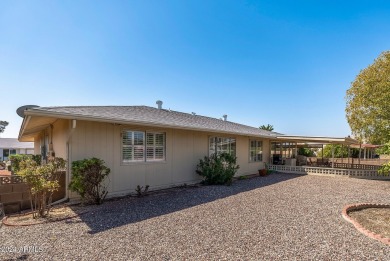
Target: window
pixel 255 150
pixel 139 146
pixel 221 144
pixel 155 146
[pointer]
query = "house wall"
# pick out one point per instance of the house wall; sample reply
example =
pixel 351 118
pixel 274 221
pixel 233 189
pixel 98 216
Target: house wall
pixel 184 148
pixel 60 136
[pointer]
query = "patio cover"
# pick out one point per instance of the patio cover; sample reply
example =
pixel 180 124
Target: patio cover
pixel 319 140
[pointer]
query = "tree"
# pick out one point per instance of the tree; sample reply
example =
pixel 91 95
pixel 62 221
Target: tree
pixel 269 127
pixel 368 106
pixel 3 124
pixel 384 150
pixel 306 152
pixel 339 151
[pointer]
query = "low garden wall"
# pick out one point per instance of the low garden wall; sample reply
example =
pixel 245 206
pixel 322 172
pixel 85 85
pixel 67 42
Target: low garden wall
pixel 15 196
pixel 335 172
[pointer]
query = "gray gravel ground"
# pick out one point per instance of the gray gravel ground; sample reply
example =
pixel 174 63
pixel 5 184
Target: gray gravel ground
pixel 279 217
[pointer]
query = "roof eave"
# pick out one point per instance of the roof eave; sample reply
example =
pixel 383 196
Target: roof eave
pixel 37 112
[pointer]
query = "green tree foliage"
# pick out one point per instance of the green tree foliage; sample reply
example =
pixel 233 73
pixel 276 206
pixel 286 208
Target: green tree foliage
pixel 306 152
pixel 339 151
pixel 384 150
pixel 88 176
pixel 3 124
pixel 16 159
pixel 267 127
pixel 218 169
pixel 385 169
pixel 42 181
pixel 368 106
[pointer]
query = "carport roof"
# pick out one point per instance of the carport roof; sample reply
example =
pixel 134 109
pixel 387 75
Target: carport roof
pixel 320 140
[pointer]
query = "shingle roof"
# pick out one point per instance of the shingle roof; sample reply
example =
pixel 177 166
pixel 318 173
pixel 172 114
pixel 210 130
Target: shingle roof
pixel 13 143
pixel 153 116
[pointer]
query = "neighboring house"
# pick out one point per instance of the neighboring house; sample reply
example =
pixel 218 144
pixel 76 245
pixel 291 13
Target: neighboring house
pixel 145 145
pixel 11 146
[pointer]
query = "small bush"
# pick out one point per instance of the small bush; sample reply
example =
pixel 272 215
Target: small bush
pixel 141 191
pixel 42 181
pixel 88 176
pixel 218 169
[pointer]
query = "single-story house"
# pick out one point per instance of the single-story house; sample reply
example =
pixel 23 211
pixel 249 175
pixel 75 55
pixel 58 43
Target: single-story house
pixel 148 146
pixel 11 146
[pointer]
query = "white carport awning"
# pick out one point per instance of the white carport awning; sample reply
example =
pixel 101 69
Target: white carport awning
pixel 321 140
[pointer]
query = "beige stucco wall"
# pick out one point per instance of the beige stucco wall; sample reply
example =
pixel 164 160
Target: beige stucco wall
pixel 184 148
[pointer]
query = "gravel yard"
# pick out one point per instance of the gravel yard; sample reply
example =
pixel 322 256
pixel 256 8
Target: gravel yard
pixel 279 217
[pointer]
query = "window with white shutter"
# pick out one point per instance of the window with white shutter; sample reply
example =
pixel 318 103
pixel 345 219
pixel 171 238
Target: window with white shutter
pixel 133 146
pixel 155 146
pixel 139 146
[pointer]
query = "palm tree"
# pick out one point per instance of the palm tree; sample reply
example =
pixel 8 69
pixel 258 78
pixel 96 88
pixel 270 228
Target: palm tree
pixel 269 127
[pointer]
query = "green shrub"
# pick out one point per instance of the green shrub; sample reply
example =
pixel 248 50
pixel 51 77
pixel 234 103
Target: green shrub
pixel 88 177
pixel 16 159
pixel 42 181
pixel 385 169
pixel 37 158
pixel 218 169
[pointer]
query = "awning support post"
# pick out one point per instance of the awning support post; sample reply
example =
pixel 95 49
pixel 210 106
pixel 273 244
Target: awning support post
pixel 332 156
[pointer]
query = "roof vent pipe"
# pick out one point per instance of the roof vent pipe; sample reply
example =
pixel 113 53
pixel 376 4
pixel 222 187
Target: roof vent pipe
pixel 224 117
pixel 159 104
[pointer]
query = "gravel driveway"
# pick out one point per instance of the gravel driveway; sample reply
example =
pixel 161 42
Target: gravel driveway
pixel 279 217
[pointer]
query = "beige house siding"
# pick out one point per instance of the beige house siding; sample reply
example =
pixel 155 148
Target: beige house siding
pixel 184 148
pixel 60 136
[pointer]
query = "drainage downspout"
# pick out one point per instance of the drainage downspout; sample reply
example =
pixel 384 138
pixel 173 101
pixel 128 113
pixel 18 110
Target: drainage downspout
pixel 67 174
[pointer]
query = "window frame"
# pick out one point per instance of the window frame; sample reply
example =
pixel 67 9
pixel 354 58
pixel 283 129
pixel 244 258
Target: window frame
pixel 144 147
pixel 216 146
pixel 256 148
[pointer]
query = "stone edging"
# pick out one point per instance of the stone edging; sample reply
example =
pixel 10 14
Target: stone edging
pixel 5 222
pixel 358 226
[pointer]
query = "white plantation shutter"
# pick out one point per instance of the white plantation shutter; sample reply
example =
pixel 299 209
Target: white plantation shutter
pixel 155 146
pixel 133 146
pixel 140 146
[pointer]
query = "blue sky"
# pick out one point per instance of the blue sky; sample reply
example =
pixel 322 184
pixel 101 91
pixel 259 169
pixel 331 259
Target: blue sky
pixel 286 63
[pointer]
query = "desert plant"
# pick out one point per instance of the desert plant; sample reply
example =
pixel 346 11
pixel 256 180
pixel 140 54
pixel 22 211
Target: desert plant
pixel 88 176
pixel 42 181
pixel 141 191
pixel 218 169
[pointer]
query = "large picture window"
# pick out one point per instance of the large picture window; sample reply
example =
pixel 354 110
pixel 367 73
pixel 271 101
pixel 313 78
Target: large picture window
pixel 139 146
pixel 222 144
pixel 255 150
